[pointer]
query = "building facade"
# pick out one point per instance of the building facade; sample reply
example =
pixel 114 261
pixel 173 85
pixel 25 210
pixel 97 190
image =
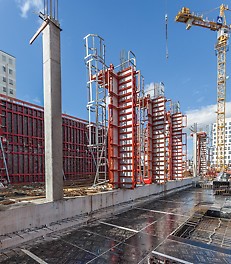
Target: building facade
pixel 227 143
pixel 7 74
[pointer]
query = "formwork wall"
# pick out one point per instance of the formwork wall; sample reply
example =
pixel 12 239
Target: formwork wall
pixel 122 130
pixel 168 142
pixel 178 145
pixel 202 153
pixel 22 133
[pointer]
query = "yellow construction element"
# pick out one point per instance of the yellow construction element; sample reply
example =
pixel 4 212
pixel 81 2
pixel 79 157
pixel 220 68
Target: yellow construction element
pixel 192 19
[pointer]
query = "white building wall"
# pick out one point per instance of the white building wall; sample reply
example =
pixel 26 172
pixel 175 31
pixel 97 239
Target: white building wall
pixel 7 74
pixel 227 142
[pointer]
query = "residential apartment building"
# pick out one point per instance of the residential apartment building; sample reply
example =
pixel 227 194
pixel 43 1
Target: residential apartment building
pixel 7 74
pixel 227 142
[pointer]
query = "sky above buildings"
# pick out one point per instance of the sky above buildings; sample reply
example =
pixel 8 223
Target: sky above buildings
pixel 189 74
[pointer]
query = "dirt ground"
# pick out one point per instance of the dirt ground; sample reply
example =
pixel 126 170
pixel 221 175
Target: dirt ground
pixel 12 194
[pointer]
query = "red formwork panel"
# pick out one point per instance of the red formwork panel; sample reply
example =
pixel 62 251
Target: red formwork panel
pixel 122 129
pixel 159 139
pixel 78 162
pixel 202 153
pixel 178 145
pixel 22 132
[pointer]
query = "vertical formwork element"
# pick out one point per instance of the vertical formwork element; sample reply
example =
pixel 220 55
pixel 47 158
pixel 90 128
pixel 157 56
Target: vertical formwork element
pixel 22 134
pixel 169 145
pixel 142 130
pixel 159 134
pixel 127 127
pixel 201 153
pixel 149 144
pixel 113 128
pixel 23 140
pixel 97 104
pixel 178 143
pixel 123 125
pixel 78 162
pixel 144 140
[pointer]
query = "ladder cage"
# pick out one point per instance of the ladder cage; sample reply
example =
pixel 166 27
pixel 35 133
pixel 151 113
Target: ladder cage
pixel 97 103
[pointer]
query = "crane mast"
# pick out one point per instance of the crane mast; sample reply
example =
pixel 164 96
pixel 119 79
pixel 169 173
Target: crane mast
pixel 191 19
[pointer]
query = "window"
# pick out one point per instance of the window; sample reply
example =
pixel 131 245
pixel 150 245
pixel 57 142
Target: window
pixel 10 61
pixel 3 58
pixel 4 89
pixel 11 82
pixel 11 91
pixel 4 68
pixel 10 71
pixel 4 79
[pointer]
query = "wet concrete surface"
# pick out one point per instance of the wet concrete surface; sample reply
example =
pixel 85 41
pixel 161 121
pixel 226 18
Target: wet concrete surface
pixel 149 233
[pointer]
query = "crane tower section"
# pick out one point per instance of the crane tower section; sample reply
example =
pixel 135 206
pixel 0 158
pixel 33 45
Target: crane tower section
pixel 192 19
pixel 221 48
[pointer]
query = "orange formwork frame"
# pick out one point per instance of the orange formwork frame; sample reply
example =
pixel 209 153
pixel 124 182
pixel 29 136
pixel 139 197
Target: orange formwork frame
pixel 178 145
pixel 202 153
pixel 168 142
pixel 145 141
pixel 122 128
pixel 159 139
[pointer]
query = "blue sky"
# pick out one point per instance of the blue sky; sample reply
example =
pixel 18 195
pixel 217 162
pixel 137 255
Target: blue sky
pixel 189 74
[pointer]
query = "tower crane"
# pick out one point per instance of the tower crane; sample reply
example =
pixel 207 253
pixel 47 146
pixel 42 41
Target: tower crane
pixel 220 25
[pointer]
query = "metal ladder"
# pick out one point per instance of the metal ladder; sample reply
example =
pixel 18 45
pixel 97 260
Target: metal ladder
pixel 4 173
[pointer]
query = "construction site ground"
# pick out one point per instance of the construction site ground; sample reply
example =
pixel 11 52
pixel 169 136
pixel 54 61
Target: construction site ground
pixel 16 193
pixel 173 229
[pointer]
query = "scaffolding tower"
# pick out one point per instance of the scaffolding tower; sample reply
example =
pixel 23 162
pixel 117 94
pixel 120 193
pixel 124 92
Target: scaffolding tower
pixel 97 104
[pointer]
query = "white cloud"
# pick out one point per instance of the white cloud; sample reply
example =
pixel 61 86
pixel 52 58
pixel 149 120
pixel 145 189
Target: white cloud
pixel 27 5
pixel 205 115
pixel 36 100
pixel 200 99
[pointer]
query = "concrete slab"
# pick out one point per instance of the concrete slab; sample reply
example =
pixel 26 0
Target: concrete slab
pixel 52 216
pixel 152 240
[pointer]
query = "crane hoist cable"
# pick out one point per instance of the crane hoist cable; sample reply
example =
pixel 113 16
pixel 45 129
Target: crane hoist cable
pixel 166 35
pixel 166 31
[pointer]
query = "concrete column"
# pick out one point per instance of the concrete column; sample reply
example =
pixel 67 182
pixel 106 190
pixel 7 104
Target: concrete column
pixel 52 112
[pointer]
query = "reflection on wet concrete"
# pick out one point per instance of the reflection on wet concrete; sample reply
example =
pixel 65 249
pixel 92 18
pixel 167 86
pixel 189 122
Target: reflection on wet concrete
pixel 161 229
pixel 123 253
pixel 115 233
pixel 136 219
pixel 146 234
